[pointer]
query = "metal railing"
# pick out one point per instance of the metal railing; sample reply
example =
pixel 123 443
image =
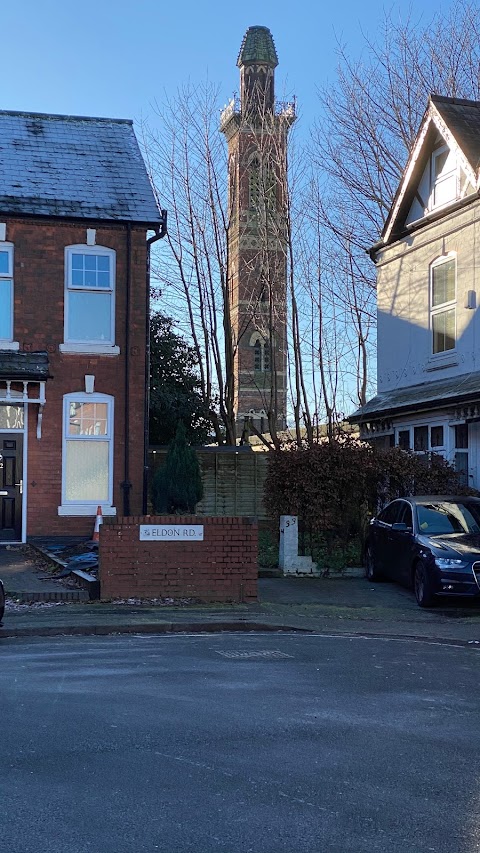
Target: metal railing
pixel 281 108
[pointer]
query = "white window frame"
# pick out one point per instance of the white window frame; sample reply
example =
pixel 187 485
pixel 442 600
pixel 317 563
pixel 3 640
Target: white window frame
pixel 79 346
pixel 436 182
pixel 443 307
pixel 87 507
pixel 440 450
pixel 462 451
pixel 8 342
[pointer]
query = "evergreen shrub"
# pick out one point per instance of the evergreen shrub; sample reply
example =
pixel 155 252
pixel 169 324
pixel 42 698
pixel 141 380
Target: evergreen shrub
pixel 177 485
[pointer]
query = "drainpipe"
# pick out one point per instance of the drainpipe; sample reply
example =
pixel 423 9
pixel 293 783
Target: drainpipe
pixel 126 485
pixel 157 236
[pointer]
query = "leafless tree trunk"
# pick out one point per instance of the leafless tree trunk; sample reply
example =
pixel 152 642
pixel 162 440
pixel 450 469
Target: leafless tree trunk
pixel 187 160
pixel 188 168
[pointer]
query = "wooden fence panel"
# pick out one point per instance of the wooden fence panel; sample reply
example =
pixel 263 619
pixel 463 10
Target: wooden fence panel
pixel 233 480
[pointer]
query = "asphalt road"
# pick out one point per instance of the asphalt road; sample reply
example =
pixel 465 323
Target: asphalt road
pixel 239 744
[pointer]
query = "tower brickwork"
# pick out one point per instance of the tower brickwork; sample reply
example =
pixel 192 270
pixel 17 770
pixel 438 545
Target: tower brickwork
pixel 256 128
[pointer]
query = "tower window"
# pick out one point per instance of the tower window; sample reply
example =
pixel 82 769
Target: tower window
pixel 270 189
pixel 258 355
pixel 262 186
pixel 261 356
pixel 266 356
pixel 254 183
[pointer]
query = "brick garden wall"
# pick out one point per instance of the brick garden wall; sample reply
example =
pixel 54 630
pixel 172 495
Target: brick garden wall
pixel 222 567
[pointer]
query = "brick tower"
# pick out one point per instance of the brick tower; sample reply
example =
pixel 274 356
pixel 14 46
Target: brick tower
pixel 256 128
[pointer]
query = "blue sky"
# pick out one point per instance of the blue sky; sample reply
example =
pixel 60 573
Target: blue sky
pixel 106 58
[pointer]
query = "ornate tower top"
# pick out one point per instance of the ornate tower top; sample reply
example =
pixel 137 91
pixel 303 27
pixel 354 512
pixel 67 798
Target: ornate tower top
pixel 257 61
pixel 258 46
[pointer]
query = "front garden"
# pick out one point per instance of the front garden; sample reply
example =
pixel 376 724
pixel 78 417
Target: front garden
pixel 336 487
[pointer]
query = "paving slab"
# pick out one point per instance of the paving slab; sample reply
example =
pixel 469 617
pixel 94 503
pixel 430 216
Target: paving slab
pixel 26 580
pixel 327 605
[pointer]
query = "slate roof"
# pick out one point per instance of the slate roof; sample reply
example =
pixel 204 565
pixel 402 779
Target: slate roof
pixel 426 395
pixel 73 166
pixel 258 46
pixel 24 365
pixel 463 120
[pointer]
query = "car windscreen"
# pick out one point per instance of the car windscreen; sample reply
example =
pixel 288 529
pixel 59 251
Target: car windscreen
pixel 448 517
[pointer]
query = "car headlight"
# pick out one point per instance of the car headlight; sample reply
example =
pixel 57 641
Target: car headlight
pixel 446 563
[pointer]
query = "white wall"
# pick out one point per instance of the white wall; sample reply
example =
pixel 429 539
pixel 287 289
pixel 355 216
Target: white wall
pixel 404 354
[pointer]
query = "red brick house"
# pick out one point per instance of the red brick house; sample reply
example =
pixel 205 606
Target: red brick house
pixel 76 207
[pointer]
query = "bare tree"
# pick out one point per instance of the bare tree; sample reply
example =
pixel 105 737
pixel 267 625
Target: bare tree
pixel 188 167
pixel 187 160
pixel 306 307
pixel 369 119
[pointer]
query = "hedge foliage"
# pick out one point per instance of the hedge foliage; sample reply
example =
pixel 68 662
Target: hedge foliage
pixel 336 487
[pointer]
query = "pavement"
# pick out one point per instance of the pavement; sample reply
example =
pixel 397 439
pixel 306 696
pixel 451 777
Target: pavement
pixel 335 605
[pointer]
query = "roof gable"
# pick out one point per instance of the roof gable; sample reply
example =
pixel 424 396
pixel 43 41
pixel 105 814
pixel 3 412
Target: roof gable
pixel 73 166
pixel 450 127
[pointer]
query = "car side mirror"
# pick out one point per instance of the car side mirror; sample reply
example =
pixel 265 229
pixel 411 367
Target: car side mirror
pixel 400 525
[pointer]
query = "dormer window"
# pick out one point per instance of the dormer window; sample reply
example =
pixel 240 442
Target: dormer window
pixel 443 177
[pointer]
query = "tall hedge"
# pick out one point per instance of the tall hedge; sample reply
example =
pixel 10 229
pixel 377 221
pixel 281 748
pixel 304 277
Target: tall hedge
pixel 335 487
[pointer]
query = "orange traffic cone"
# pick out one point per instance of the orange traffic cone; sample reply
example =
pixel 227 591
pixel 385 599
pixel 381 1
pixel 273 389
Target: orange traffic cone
pixel 98 522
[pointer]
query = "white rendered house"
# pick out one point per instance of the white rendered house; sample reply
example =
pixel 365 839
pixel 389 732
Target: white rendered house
pixel 428 290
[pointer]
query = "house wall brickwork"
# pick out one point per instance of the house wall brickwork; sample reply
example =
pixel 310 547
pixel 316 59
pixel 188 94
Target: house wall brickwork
pixel 39 281
pixel 222 567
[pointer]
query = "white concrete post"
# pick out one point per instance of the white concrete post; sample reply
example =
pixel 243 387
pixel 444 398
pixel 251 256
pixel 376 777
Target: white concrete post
pixel 288 539
pixel 289 561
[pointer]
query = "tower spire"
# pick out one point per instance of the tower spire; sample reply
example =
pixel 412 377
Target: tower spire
pixel 257 61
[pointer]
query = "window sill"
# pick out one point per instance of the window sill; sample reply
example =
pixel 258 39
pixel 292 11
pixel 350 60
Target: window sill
pixel 86 509
pixel 87 349
pixel 442 361
pixel 10 345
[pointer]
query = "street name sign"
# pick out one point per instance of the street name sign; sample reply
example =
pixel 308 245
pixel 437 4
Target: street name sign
pixel 171 532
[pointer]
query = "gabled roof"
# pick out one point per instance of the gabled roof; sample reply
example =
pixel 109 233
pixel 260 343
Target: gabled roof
pixel 462 118
pixel 258 46
pixel 73 166
pixel 458 122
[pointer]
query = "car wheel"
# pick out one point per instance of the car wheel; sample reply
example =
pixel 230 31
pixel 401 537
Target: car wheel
pixel 2 601
pixel 422 585
pixel 371 571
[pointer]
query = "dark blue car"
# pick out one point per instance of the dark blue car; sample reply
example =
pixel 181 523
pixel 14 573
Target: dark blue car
pixel 430 543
